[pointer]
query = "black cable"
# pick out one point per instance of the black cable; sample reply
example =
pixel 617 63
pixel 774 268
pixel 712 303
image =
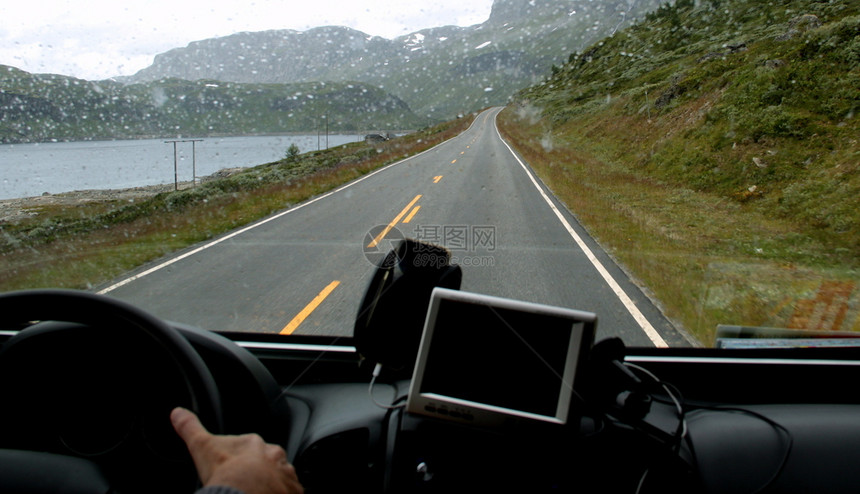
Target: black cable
pixel 681 432
pixel 789 439
pixel 376 370
pixel 678 401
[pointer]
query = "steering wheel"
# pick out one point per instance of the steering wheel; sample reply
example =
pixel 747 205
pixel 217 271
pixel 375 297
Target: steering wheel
pixel 94 381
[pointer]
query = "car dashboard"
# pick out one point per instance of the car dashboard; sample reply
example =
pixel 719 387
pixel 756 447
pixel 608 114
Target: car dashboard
pixel 713 421
pixel 775 421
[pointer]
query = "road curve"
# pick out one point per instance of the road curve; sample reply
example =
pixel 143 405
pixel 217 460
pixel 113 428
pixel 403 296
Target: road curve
pixel 304 270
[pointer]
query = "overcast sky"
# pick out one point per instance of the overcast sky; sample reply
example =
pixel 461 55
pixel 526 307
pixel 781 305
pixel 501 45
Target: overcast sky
pixel 97 39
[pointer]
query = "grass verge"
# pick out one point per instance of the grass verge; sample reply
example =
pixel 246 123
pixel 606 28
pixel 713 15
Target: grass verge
pixel 712 148
pixel 705 258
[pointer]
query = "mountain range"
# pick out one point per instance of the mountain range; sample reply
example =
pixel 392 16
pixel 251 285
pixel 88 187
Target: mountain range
pixel 439 72
pixel 297 81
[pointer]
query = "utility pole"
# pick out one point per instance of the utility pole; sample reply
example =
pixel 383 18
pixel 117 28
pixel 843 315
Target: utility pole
pixel 175 167
pixel 176 161
pixel 325 118
pixel 194 163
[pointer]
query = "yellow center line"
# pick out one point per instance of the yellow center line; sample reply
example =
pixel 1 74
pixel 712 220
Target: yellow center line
pixel 454 161
pixel 409 218
pixel 437 178
pixel 396 219
pixel 301 316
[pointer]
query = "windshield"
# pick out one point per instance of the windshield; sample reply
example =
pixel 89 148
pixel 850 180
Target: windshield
pixel 687 170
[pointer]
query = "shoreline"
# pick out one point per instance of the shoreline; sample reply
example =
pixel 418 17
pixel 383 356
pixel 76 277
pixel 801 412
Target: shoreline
pixel 310 133
pixel 17 209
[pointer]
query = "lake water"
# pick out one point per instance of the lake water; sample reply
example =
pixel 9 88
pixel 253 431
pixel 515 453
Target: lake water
pixel 32 169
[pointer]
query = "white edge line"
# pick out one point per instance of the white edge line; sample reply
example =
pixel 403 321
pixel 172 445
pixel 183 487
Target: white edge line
pixel 259 223
pixel 619 292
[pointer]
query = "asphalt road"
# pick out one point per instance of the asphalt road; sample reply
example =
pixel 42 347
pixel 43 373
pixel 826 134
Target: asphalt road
pixel 304 270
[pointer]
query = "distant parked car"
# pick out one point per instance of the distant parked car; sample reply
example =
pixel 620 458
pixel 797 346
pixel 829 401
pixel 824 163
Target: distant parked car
pixel 377 137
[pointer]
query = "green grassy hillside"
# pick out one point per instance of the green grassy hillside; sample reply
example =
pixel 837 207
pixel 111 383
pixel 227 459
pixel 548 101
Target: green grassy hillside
pixel 714 148
pixel 39 107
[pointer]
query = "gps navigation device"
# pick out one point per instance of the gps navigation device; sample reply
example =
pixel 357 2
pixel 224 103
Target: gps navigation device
pixel 486 360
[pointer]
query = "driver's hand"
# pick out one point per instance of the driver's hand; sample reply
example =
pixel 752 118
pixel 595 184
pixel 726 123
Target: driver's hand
pixel 243 462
